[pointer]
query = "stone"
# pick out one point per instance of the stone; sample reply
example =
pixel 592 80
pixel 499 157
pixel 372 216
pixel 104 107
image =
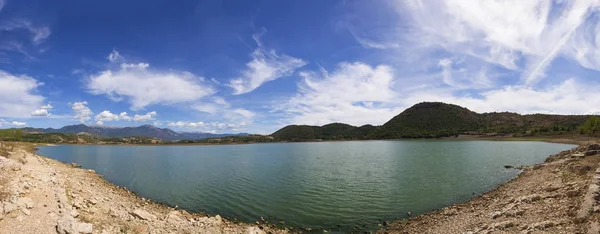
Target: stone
pixel 143 215
pixel 495 214
pixel 173 217
pixel 68 225
pixel 255 230
pixel 592 152
pixel 593 147
pixel 218 220
pixel 25 211
pixel 572 193
pixel 9 207
pixel 26 202
pixel 74 213
pixel 543 225
pixel 503 225
pixel 530 198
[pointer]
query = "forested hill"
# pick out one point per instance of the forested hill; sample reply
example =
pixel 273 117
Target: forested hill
pixel 436 119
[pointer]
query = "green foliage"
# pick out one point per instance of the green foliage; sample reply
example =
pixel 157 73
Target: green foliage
pixel 591 126
pixel 436 119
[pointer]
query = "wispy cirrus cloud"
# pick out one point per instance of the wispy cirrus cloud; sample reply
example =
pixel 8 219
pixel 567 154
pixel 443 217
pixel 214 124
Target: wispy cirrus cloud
pixel 266 65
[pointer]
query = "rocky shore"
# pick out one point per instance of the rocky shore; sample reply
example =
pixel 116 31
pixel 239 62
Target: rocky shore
pixel 560 195
pixel 40 195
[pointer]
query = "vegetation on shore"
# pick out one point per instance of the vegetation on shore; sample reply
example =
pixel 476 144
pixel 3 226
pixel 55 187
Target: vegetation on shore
pixel 423 120
pixel 437 120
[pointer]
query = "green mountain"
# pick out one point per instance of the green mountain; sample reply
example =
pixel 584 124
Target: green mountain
pixel 435 120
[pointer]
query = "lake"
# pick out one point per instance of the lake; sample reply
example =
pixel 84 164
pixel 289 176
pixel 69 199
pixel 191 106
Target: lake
pixel 317 185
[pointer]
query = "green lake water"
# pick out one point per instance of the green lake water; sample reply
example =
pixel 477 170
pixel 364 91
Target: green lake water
pixel 317 185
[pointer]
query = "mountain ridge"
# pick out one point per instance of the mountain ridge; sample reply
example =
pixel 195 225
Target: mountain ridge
pixel 146 130
pixel 435 120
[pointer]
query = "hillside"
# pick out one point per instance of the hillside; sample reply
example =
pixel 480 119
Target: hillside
pixel 140 131
pixel 435 120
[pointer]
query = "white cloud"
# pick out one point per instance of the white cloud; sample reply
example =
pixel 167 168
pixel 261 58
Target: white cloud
pixel 105 116
pixel 82 112
pixel 158 123
pixel 355 93
pixel 507 33
pixel 144 87
pixel 4 123
pixel 568 97
pixel 99 122
pixel 43 111
pixel 266 65
pixel 18 95
pixel 40 112
pixel 207 127
pixel 1 4
pixel 147 117
pixel 114 56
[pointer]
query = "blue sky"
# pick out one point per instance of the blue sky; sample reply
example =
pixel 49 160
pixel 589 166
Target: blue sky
pixel 255 66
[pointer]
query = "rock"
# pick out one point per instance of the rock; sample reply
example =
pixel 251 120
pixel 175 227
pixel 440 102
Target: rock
pixel 26 202
pixel 218 220
pixel 85 228
pixel 143 215
pixel 503 225
pixel 68 225
pixel 508 166
pixel 593 147
pixel 530 198
pixel 9 207
pixel 538 166
pixel 572 193
pixel 592 152
pixel 92 201
pixel 173 217
pixel 551 188
pixel 25 211
pixel 255 230
pixel 495 214
pixel 74 213
pixel 75 165
pixel 543 225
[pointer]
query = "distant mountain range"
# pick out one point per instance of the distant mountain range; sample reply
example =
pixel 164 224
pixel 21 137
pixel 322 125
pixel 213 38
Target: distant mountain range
pixel 436 119
pixel 141 131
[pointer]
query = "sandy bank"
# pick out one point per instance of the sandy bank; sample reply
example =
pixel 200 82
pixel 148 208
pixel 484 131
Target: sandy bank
pixel 41 195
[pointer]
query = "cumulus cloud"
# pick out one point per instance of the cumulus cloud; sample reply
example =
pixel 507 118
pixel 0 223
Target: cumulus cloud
pixel 4 123
pixel 207 127
pixel 43 111
pixel 354 93
pixel 18 95
pixel 106 116
pixel 82 112
pixel 147 117
pixel 266 65
pixel 143 86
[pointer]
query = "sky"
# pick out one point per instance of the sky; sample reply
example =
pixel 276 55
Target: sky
pixel 255 66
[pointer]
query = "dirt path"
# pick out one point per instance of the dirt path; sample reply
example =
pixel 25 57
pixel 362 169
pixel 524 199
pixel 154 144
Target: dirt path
pixel 558 196
pixel 39 195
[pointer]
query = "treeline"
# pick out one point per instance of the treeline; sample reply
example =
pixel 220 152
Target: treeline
pixel 437 120
pixel 18 135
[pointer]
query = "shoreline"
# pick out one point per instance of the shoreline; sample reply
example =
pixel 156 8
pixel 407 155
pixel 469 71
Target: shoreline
pixel 43 195
pixel 549 197
pixel 395 226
